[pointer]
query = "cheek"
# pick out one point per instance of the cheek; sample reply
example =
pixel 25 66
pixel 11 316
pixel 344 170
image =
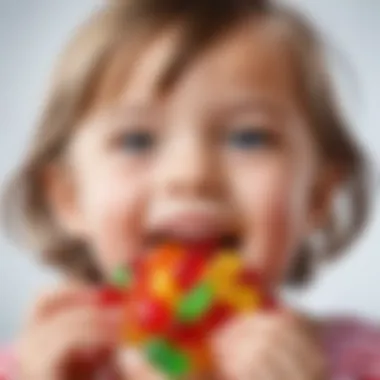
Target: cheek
pixel 272 196
pixel 111 201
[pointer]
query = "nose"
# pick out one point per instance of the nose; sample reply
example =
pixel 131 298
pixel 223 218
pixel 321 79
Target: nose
pixel 189 168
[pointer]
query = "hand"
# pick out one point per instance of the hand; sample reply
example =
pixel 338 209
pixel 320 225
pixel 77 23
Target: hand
pixel 67 337
pixel 269 347
pixel 134 366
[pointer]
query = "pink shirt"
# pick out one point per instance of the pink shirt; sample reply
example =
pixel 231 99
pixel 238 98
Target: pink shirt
pixel 352 350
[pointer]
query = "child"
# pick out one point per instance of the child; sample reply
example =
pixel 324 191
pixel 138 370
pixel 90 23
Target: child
pixel 190 120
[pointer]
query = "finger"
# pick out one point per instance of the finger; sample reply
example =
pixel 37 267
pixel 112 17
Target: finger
pixel 287 365
pixel 228 331
pixel 303 346
pixel 58 299
pixel 259 373
pixel 277 330
pixel 297 351
pixel 76 334
pixel 233 350
pixel 251 359
pixel 307 357
pixel 256 358
pixel 134 366
pixel 226 345
pixel 247 360
pixel 291 349
pixel 87 330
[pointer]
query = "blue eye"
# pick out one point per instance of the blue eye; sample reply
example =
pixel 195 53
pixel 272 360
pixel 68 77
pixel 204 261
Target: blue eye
pixel 137 142
pixel 249 139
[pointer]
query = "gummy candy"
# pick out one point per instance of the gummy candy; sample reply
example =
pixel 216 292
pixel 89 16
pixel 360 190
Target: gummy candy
pixel 196 303
pixel 175 297
pixel 133 334
pixel 245 299
pixel 122 277
pixel 188 334
pixel 167 358
pixel 190 270
pixel 162 285
pixel 154 316
pixel 165 257
pixel 249 277
pixel 218 314
pixel 111 296
pixel 223 271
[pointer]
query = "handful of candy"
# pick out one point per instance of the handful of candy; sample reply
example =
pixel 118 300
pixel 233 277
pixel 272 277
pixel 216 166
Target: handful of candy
pixel 177 296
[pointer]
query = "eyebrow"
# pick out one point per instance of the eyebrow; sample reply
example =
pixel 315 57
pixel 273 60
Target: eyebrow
pixel 237 103
pixel 136 110
pixel 226 106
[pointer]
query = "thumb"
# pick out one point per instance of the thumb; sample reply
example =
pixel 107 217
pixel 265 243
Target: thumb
pixel 133 366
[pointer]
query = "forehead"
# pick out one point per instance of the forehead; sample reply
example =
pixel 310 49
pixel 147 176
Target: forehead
pixel 252 58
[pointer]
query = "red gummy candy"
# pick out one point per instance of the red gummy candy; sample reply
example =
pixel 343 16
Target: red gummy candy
pixel 270 303
pixel 219 314
pixel 137 267
pixel 187 334
pixel 111 297
pixel 195 334
pixel 249 277
pixel 165 256
pixel 152 315
pixel 189 271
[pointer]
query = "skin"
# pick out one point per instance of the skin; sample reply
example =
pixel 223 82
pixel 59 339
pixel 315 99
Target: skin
pixel 229 137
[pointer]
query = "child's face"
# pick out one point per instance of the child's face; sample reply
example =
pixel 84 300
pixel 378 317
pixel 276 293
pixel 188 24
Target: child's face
pixel 226 152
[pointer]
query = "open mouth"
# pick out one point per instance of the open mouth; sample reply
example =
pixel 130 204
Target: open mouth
pixel 214 242
pixel 205 228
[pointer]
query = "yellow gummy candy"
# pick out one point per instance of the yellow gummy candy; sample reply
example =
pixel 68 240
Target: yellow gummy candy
pixel 222 275
pixel 224 268
pixel 162 286
pixel 201 358
pixel 133 335
pixel 130 333
pixel 244 299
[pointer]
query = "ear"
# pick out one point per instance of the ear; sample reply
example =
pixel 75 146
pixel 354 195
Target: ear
pixel 328 183
pixel 62 197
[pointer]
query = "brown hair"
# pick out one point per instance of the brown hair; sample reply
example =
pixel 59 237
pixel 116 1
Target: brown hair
pixel 86 66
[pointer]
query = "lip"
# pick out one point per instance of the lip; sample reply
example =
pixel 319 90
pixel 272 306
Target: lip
pixel 196 226
pixel 193 225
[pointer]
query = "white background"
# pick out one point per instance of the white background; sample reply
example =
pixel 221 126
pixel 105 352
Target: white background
pixel 32 33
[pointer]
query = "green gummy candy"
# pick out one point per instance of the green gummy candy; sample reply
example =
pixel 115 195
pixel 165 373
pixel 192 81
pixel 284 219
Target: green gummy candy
pixel 195 304
pixel 167 358
pixel 122 277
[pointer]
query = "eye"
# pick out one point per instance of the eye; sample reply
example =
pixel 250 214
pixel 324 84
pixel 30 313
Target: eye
pixel 250 138
pixel 137 141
